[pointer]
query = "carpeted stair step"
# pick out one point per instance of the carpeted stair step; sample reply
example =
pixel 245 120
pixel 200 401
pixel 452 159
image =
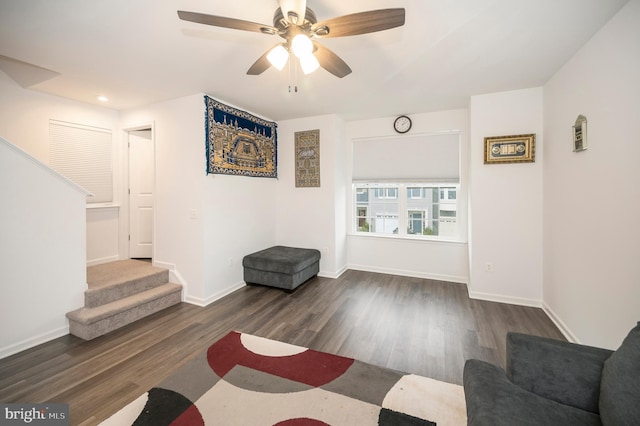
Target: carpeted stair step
pixel 116 280
pixel 91 322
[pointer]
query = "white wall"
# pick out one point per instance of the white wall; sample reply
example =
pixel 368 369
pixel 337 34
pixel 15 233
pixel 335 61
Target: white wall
pixel 420 258
pixel 314 217
pixel 25 115
pixel 103 236
pixel 179 185
pixel 42 250
pixel 24 120
pixel 506 201
pixel 240 219
pixel 204 225
pixel 592 198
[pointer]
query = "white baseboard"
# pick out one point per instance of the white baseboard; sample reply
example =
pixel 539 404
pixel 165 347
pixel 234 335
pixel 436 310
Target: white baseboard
pixel 407 273
pixel 217 296
pixel 560 324
pixel 102 260
pixel 521 301
pixel 531 303
pixel 33 341
pixel 335 275
pixel 174 276
pixel 166 265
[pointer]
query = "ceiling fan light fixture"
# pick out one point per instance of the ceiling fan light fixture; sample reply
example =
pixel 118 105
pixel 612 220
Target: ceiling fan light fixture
pixel 301 45
pixel 309 63
pixel 321 31
pixel 293 10
pixel 299 27
pixel 268 30
pixel 278 57
pixel 293 17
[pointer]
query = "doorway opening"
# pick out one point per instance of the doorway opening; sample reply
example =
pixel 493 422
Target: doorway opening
pixel 141 193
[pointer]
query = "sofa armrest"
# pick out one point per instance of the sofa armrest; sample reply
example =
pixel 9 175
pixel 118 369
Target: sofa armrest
pixel 492 400
pixel 564 372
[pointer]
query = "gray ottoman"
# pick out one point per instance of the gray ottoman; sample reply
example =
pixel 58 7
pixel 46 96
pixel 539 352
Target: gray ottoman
pixel 281 267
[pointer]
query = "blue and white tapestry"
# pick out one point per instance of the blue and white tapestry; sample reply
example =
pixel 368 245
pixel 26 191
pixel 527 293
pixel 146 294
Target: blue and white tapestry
pixel 239 143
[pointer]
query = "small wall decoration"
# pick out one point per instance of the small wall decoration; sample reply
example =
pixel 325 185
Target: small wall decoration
pixel 510 149
pixel 239 143
pixel 580 134
pixel 307 158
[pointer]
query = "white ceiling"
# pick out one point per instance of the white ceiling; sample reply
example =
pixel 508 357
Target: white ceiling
pixel 137 52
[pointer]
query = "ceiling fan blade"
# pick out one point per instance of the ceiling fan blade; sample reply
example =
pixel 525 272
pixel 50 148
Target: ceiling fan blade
pixel 261 65
pixel 221 21
pixel 330 61
pixel 298 7
pixel 360 23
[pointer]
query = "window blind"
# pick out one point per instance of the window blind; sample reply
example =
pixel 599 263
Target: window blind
pixel 84 155
pixel 431 158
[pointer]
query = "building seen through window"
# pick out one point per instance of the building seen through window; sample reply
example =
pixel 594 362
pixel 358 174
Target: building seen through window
pixel 406 209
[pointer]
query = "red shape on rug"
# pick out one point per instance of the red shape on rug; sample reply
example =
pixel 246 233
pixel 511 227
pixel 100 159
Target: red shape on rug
pixel 309 367
pixel 303 421
pixel 190 417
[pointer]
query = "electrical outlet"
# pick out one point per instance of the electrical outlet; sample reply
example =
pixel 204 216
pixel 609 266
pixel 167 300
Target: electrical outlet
pixel 488 267
pixel 230 261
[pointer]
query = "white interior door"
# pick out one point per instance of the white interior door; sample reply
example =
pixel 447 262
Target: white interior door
pixel 141 194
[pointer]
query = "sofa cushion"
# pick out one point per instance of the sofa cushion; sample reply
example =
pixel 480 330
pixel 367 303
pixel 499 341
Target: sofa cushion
pixel 619 389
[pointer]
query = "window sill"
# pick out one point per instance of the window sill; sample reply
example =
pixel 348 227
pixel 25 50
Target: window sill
pixel 449 240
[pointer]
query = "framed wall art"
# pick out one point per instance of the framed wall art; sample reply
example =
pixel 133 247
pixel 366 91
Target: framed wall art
pixel 580 134
pixel 510 149
pixel 307 158
pixel 239 143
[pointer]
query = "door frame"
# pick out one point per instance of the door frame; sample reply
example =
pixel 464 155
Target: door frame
pixel 126 202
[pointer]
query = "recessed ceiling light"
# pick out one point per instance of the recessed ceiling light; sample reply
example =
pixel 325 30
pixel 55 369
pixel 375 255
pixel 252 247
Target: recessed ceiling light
pixel 103 98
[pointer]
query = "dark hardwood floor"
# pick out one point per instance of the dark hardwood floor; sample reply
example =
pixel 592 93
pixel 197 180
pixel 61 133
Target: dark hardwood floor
pixel 414 325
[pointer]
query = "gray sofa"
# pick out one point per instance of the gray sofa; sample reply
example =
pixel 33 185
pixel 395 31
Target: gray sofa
pixel 550 382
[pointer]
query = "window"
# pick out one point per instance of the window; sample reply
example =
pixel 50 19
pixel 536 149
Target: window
pixel 377 209
pixel 447 194
pixel 407 185
pixel 432 214
pixel 363 223
pixel 415 192
pixel 416 158
pixel 84 155
pixel 416 222
pixel 387 193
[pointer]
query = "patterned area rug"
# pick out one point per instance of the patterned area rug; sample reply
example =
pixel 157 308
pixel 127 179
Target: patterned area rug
pixel 248 380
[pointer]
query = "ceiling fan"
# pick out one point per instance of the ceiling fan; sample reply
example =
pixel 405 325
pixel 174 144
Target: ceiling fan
pixel 298 26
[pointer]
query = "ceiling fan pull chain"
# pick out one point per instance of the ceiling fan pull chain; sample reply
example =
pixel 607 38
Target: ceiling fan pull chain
pixel 290 76
pixel 295 76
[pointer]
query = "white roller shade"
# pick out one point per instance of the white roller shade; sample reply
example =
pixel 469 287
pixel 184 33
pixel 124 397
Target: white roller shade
pixel 420 158
pixel 84 155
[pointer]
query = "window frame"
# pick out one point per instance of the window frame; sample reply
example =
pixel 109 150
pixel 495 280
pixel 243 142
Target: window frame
pixel 403 200
pixel 85 155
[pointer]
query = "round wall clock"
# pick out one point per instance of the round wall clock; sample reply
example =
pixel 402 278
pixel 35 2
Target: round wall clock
pixel 402 124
